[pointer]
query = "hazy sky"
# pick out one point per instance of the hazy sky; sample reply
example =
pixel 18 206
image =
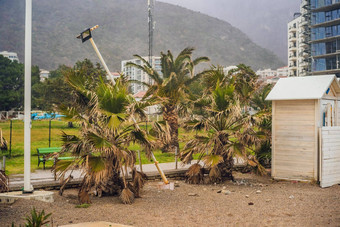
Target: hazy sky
pixel 264 21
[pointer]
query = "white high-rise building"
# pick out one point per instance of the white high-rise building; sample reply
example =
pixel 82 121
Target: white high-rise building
pixel 10 55
pixel 138 75
pixel 299 47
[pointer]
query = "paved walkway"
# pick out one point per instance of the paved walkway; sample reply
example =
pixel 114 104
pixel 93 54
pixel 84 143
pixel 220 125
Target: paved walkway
pixel 46 176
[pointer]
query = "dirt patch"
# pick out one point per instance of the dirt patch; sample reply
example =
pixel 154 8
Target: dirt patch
pixel 251 201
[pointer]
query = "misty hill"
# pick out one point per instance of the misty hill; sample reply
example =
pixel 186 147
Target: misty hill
pixel 264 21
pixel 123 32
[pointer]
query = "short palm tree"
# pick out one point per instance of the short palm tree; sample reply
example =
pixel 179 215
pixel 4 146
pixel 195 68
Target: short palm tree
pixel 229 132
pixel 263 121
pixel 101 149
pixel 171 86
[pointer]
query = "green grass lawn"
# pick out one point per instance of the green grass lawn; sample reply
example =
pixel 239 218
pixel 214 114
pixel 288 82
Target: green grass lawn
pixel 40 139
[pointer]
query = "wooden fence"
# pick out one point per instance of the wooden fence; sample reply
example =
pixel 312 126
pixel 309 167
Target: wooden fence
pixel 329 156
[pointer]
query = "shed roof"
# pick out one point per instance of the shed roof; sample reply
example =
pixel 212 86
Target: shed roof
pixel 309 87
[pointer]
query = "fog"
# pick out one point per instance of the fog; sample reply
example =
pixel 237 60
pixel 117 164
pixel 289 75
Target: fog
pixel 264 21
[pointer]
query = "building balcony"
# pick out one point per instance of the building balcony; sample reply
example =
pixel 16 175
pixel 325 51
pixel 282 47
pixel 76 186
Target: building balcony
pixel 304 64
pixel 304 23
pixel 326 8
pixel 325 39
pixel 304 34
pixel 292 67
pixel 292 57
pixel 304 45
pixel 326 55
pixel 327 23
pixel 292 48
pixel 330 71
pixel 304 54
pixel 292 38
pixel 305 3
pixel 292 29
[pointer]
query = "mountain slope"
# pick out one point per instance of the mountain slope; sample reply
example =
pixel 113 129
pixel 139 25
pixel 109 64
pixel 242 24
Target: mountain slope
pixel 122 33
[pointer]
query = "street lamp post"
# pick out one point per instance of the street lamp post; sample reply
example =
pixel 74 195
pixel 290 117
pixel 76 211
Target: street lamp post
pixel 87 35
pixel 27 100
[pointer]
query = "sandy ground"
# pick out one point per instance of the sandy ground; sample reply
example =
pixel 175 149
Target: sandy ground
pixel 274 204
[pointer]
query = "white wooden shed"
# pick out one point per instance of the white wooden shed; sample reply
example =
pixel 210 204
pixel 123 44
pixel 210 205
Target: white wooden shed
pixel 305 129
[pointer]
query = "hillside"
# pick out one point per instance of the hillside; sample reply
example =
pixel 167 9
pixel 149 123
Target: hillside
pixel 123 32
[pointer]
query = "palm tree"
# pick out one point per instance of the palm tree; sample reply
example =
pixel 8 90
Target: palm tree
pixel 101 149
pixel 229 131
pixel 263 121
pixel 246 83
pixel 171 86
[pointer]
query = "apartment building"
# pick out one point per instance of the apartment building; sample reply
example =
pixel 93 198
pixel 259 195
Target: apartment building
pixel 138 75
pixel 314 39
pixel 10 55
pixel 298 44
pixel 325 36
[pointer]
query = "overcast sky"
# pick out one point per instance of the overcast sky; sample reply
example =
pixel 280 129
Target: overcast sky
pixel 264 21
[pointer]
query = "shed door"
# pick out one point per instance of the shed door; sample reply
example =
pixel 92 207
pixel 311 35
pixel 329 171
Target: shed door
pixel 330 156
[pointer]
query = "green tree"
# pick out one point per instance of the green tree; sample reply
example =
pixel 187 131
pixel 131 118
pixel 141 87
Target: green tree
pixel 171 86
pixel 12 84
pixel 56 91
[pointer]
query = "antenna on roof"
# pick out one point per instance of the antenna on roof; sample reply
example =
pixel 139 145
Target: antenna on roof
pixel 151 23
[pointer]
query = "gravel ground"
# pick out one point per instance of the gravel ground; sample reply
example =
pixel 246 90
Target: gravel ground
pixel 252 201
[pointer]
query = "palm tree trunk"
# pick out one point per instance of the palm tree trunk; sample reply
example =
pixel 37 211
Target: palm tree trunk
pixel 226 168
pixel 170 115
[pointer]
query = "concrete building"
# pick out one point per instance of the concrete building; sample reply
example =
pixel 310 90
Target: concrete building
pixel 138 75
pixel 44 74
pixel 325 36
pixel 228 68
pixel 150 110
pixel 314 39
pixel 264 73
pixel 298 45
pixel 114 75
pixel 282 71
pixel 10 55
pixel 271 76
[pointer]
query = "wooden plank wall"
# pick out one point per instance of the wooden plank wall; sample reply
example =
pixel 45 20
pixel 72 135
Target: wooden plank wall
pixel 294 143
pixel 330 156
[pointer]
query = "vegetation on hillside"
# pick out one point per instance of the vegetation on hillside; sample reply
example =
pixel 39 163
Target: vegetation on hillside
pixel 123 32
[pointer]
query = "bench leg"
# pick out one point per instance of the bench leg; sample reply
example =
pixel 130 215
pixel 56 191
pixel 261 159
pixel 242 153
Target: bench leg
pixel 44 164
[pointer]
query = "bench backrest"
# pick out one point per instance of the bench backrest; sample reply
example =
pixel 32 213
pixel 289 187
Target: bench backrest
pixel 48 150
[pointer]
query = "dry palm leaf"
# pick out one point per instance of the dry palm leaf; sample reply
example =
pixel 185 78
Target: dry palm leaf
pixel 83 197
pixel 215 175
pixel 195 174
pixel 138 180
pixel 3 182
pixel 127 196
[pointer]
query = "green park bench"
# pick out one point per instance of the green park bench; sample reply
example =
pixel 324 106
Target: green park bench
pixel 44 153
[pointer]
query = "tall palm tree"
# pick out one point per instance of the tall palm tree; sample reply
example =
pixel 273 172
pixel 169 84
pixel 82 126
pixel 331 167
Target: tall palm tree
pixel 171 86
pixel 101 150
pixel 246 83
